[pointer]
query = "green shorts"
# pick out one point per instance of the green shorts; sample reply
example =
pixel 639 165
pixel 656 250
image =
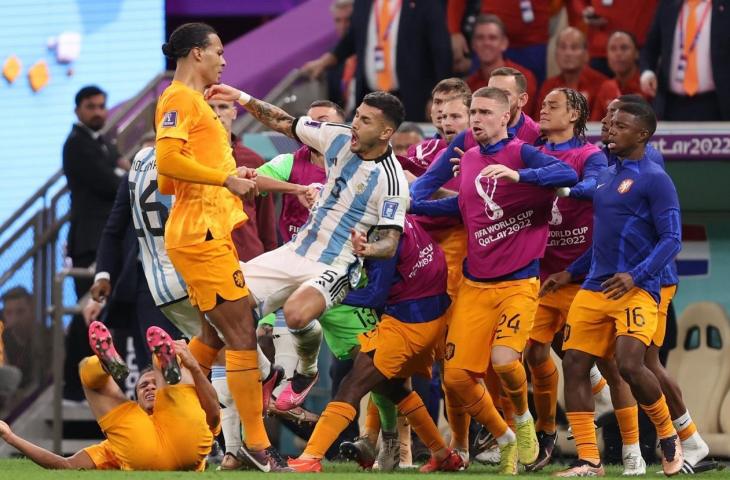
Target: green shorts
pixel 342 324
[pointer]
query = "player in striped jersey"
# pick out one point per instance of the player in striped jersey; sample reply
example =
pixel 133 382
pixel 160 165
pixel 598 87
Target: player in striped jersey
pixel 366 191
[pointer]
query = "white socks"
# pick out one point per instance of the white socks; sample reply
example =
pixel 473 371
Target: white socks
pixel 307 341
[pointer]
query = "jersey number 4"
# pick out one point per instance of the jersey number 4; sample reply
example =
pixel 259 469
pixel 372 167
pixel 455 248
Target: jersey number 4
pixel 150 208
pixel 504 323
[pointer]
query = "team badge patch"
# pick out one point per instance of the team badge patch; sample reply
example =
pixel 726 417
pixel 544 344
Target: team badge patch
pixel 450 349
pixel 625 186
pixel 389 209
pixel 238 279
pixel 169 119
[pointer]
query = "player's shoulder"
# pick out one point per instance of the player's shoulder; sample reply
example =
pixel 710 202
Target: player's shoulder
pixel 144 155
pixel 396 183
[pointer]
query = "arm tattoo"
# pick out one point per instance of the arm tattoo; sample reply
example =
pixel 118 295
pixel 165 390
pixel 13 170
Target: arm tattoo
pixel 385 243
pixel 272 116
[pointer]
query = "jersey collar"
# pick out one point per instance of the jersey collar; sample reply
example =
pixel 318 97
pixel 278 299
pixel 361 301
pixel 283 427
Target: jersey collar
pixel 574 142
pixel 387 154
pixel 518 125
pixel 496 147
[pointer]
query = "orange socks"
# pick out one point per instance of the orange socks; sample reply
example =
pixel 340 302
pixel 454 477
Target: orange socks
pixel 477 402
pixel 335 418
pixel 514 383
pixel 584 431
pixel 204 354
pixel 545 394
pixel 372 421
pixel 244 382
pixel 92 373
pixel 459 422
pixel 658 413
pixel 414 410
pixel 628 424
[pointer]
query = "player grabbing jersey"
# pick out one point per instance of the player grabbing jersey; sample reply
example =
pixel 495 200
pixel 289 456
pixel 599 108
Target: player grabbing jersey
pixel 505 198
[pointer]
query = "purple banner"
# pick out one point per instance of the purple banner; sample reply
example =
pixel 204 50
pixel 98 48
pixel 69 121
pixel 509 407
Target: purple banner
pixel 688 146
pixel 228 8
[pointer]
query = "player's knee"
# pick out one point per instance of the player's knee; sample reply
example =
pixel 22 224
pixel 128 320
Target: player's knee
pixel 455 379
pixel 295 318
pixel 536 353
pixel 630 369
pixel 576 365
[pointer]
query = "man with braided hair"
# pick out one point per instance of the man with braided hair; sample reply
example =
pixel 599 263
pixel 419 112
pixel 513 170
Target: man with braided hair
pixel 563 117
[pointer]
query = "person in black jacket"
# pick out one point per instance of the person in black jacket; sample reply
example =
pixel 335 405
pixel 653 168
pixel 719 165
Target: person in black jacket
pixel 89 163
pixel 403 51
pixel 685 64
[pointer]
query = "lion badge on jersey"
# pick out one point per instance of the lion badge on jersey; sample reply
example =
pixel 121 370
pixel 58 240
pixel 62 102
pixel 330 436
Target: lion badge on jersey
pixel 625 186
pixel 238 279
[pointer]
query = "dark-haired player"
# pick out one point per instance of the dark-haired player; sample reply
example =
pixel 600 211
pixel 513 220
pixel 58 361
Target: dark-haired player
pixel 366 192
pixel 636 235
pixel 195 163
pixel 563 117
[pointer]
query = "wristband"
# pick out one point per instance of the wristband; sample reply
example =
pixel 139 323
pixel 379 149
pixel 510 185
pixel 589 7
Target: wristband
pixel 244 98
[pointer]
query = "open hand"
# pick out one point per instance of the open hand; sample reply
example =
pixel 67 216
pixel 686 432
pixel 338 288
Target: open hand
pixel 185 356
pixel 359 243
pixel 5 430
pixel 617 286
pixel 555 282
pixel 500 171
pixel 456 161
pixel 222 91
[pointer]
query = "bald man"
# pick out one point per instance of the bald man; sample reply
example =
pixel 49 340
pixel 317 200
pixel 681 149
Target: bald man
pixel 571 55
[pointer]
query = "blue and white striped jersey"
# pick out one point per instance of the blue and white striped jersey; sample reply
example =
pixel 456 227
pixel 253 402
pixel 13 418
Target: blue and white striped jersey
pixel 359 194
pixel 150 209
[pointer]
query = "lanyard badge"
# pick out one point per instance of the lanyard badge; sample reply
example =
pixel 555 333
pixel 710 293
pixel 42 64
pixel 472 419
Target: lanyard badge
pixel 528 14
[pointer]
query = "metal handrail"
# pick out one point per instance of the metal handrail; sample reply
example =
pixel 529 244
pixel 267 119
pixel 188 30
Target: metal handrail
pixel 41 192
pixel 132 102
pixel 58 310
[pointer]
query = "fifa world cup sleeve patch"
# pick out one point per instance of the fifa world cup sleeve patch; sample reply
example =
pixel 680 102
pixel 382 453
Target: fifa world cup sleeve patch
pixel 390 208
pixel 169 119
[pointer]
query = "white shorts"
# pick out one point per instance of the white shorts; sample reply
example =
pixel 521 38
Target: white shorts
pixel 273 276
pixel 184 316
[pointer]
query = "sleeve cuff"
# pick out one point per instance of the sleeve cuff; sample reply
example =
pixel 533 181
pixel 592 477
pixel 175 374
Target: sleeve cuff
pixel 102 276
pixel 527 175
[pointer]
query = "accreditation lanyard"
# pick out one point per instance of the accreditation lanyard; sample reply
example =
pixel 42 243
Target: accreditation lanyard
pixel 692 45
pixel 383 27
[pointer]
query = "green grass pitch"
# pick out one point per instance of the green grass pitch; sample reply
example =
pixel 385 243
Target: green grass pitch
pixel 15 469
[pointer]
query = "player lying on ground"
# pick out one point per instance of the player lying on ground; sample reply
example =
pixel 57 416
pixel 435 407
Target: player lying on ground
pixel 170 426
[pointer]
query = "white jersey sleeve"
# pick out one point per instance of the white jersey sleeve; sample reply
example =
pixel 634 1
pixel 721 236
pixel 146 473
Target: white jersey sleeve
pixel 325 137
pixel 393 196
pixel 150 210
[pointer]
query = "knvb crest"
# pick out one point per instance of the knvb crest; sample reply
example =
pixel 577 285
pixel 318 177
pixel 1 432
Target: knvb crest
pixel 625 186
pixel 238 279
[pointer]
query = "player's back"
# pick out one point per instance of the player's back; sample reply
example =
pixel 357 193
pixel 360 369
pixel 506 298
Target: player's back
pixel 150 210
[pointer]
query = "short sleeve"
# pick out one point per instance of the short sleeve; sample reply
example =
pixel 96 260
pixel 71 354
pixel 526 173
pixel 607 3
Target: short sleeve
pixel 279 167
pixel 177 114
pixel 393 202
pixel 102 456
pixel 320 135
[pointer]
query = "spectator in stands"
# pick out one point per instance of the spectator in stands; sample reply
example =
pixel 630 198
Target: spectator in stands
pixel 407 134
pixel 258 234
pixel 402 47
pixel 600 18
pixel 526 23
pixel 623 57
pixel 571 56
pixel 339 77
pixel 685 62
pixel 22 334
pixel 489 43
pixel 90 163
pixel 10 376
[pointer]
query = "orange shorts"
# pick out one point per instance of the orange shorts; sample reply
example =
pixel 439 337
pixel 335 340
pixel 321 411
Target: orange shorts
pixel 403 349
pixel 552 313
pixel 486 315
pixel 453 242
pixel 594 322
pixel 175 437
pixel 666 296
pixel 210 270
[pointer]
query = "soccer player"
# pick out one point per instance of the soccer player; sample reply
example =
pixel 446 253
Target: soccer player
pixel 505 197
pixel 366 190
pixel 411 290
pixel 170 426
pixel 694 447
pixel 195 163
pixel 636 235
pixel 563 119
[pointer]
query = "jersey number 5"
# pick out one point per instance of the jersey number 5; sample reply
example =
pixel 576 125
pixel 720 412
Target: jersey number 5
pixel 150 208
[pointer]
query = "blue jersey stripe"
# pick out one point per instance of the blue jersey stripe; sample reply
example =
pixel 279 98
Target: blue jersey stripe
pixel 354 214
pixel 331 199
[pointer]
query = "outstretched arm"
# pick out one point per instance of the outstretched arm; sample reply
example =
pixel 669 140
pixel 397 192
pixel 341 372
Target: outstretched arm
pixel 44 458
pixel 270 115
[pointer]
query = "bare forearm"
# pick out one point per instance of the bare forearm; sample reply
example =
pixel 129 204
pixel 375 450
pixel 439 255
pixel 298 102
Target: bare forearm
pixel 39 455
pixel 208 398
pixel 270 115
pixel 385 244
pixel 272 185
